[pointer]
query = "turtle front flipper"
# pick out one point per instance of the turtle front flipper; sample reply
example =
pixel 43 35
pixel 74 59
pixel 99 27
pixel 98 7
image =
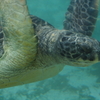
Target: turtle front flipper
pixel 19 38
pixel 20 43
pixel 81 16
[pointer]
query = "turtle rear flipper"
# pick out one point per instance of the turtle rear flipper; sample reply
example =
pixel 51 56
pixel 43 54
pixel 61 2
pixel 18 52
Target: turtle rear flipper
pixel 81 16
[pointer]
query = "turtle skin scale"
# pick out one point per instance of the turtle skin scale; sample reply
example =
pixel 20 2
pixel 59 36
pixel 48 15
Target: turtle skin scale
pixel 32 49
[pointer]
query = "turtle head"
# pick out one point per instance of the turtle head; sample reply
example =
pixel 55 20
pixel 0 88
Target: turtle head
pixel 78 49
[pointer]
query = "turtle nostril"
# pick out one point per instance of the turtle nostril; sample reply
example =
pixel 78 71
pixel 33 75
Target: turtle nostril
pixel 64 39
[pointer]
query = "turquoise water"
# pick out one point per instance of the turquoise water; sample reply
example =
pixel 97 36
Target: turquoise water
pixel 72 83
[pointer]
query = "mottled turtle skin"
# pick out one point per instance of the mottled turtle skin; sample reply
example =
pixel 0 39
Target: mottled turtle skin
pixel 32 49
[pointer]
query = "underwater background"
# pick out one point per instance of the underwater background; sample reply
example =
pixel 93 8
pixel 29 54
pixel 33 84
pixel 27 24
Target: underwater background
pixel 72 83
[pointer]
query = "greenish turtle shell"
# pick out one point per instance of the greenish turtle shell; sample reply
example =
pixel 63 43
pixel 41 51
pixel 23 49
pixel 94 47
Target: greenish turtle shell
pixel 32 49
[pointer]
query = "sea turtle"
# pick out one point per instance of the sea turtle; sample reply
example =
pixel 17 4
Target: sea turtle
pixel 32 49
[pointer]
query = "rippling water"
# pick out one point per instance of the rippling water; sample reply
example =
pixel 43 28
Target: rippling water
pixel 73 83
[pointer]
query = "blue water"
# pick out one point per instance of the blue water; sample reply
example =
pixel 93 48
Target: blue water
pixel 72 83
